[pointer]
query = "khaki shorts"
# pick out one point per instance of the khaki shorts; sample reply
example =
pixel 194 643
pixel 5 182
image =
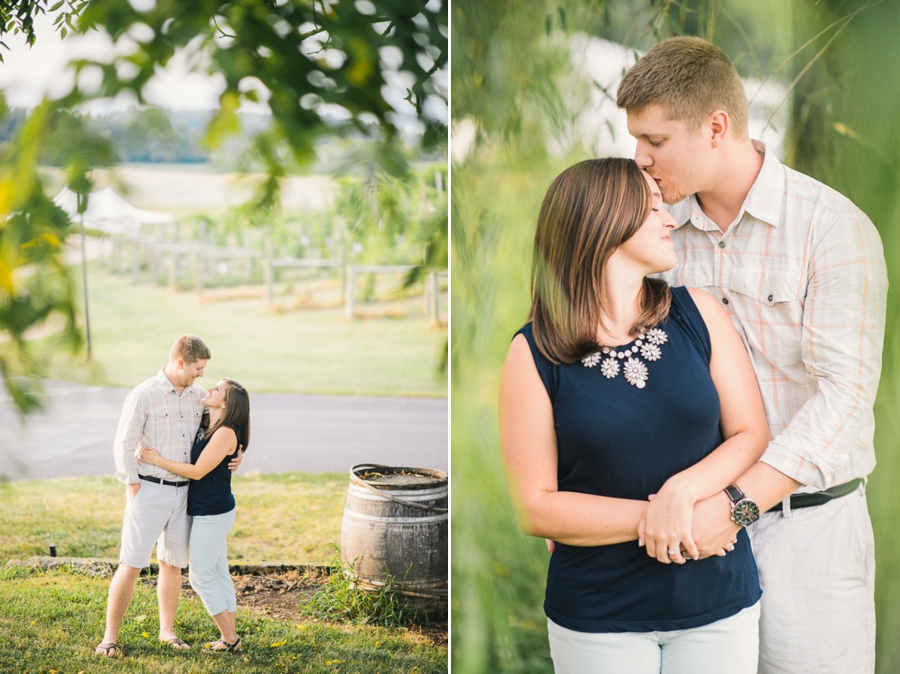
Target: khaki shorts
pixel 817 572
pixel 156 516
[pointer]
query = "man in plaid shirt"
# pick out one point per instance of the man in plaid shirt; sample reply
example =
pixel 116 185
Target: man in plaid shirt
pixel 800 270
pixel 163 412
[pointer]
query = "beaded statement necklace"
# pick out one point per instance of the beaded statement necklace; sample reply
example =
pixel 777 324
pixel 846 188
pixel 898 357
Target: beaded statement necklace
pixel 647 345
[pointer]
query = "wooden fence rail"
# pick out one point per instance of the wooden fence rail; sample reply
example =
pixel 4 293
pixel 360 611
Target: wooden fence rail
pixel 171 252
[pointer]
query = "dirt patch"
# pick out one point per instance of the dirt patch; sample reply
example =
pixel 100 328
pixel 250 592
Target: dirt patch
pixel 280 596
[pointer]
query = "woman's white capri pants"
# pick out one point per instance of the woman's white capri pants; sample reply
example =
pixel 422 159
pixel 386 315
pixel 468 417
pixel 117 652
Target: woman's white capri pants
pixel 208 565
pixel 730 645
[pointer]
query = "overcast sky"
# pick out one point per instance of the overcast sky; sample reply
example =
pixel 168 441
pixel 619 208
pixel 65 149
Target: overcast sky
pixel 27 74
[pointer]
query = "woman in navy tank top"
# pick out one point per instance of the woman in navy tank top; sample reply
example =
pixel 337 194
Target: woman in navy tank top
pixel 624 404
pixel 224 430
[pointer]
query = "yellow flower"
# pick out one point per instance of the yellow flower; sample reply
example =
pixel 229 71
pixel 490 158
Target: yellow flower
pixel 301 627
pixel 145 634
pixel 278 644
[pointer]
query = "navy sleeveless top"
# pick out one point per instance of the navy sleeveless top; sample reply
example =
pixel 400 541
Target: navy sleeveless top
pixel 211 494
pixel 623 442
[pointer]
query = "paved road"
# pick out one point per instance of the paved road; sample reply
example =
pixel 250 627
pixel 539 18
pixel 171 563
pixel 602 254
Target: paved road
pixel 313 433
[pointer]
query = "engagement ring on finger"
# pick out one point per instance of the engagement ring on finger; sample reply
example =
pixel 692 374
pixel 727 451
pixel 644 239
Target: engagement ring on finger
pixel 673 551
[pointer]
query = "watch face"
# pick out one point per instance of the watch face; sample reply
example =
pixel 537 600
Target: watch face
pixel 745 512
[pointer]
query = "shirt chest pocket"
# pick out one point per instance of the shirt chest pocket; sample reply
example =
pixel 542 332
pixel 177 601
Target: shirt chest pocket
pixel 769 288
pixel 159 427
pixel 769 305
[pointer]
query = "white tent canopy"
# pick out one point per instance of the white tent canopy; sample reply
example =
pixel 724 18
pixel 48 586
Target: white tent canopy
pixel 110 213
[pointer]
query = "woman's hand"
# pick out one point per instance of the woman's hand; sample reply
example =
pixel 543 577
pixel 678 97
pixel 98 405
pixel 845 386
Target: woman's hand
pixel 667 524
pixel 147 455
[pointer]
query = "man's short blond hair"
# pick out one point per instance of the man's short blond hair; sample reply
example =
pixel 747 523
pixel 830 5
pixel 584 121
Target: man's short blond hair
pixel 690 78
pixel 191 348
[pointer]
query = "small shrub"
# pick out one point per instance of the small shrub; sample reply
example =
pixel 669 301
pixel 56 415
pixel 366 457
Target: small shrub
pixel 341 599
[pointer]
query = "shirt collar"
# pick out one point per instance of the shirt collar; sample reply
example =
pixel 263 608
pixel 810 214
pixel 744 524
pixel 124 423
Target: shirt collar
pixel 764 201
pixel 766 198
pixel 165 383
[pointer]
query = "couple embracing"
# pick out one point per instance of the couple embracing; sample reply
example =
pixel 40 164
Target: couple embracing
pixel 175 449
pixel 687 416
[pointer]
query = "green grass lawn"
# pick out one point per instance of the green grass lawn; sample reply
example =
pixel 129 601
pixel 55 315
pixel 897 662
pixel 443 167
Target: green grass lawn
pixel 303 351
pixel 292 517
pixel 50 622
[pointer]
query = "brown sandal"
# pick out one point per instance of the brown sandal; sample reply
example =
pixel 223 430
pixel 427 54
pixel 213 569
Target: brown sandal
pixel 109 649
pixel 177 643
pixel 224 648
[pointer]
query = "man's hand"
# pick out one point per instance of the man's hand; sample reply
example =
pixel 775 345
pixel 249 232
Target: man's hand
pixel 551 546
pixel 132 490
pixel 236 461
pixel 713 531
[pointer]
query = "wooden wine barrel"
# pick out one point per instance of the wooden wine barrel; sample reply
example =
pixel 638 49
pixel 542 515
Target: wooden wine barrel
pixel 395 523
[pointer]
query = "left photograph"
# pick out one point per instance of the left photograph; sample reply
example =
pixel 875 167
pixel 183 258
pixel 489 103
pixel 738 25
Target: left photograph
pixel 224 336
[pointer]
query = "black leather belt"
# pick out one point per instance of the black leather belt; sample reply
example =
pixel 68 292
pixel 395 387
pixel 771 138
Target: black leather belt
pixel 159 480
pixel 819 497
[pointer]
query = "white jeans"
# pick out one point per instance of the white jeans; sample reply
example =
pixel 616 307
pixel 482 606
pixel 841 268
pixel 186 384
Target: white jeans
pixel 208 570
pixel 729 645
pixel 817 572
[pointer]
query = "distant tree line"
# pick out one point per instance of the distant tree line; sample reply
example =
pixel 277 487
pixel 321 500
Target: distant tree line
pixel 136 135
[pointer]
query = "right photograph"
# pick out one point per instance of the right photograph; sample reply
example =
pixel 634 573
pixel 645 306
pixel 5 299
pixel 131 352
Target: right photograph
pixel 674 356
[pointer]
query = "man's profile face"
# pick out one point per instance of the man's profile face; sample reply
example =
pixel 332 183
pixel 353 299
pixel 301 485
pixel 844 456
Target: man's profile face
pixel 673 155
pixel 190 371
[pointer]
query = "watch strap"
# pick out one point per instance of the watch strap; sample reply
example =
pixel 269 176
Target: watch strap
pixel 734 493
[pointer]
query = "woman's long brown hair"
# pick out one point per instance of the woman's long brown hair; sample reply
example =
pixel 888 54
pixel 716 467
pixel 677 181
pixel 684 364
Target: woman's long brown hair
pixel 237 414
pixel 591 209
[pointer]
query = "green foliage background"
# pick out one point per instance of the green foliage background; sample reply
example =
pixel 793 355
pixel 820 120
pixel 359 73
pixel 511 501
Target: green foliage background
pixel 322 68
pixel 511 80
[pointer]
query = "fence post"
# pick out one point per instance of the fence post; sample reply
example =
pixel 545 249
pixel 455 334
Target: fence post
pixel 135 261
pixel 152 262
pixel 198 275
pixel 343 269
pixel 270 274
pixel 435 296
pixel 351 291
pixel 248 247
pixel 173 269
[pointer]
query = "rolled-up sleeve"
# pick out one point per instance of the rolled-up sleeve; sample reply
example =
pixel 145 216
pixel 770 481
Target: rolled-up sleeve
pixel 128 435
pixel 829 440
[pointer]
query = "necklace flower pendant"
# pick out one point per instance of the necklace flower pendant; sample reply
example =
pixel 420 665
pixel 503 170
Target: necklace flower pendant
pixel 610 368
pixel 635 370
pixel 657 337
pixel 651 352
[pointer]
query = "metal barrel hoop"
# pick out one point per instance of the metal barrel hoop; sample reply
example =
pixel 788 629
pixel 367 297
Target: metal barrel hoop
pixel 383 494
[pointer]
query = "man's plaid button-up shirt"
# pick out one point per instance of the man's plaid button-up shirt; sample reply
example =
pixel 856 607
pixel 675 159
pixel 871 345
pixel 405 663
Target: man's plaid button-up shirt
pixel 801 273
